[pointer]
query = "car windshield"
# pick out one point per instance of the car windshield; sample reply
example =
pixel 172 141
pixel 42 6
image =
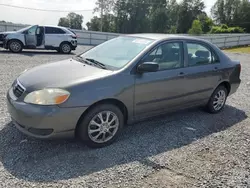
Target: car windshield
pixel 23 29
pixel 117 52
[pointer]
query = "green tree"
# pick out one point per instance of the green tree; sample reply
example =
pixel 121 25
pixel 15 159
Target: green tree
pixel 64 22
pixel 188 12
pixel 73 20
pixel 206 22
pixel 94 24
pixel 108 23
pixel 196 28
pixel 172 30
pixel 232 12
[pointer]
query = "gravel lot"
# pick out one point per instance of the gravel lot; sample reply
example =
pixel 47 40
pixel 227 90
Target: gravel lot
pixel 185 149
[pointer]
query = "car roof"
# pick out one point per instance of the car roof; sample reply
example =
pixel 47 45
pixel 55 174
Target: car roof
pixel 157 36
pixel 53 26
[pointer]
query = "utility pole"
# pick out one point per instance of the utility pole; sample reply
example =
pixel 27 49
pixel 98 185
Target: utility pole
pixel 102 6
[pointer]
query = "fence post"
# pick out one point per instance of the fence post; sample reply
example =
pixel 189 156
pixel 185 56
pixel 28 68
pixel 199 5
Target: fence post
pixel 238 40
pixel 5 27
pixel 225 42
pixel 90 39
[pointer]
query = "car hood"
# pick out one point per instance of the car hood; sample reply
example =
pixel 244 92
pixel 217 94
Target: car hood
pixel 7 32
pixel 61 74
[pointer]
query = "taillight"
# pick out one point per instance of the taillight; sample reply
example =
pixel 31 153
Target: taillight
pixel 74 36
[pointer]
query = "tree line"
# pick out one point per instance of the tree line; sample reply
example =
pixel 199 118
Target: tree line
pixel 170 16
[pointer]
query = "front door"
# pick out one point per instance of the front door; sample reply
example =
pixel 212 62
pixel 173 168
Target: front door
pixel 30 37
pixel 162 90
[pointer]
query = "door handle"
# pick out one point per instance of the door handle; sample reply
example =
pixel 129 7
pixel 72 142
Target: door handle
pixel 181 74
pixel 215 68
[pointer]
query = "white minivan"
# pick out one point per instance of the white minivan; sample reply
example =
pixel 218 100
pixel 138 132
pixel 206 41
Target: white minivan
pixel 39 37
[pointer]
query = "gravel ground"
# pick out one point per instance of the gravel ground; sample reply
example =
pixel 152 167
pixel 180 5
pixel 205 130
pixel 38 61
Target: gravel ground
pixel 186 149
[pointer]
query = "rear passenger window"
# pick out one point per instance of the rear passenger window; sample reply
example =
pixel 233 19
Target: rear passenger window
pixel 53 30
pixel 200 55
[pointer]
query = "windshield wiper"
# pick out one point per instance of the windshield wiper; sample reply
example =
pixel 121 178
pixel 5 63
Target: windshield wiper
pixel 97 63
pixel 90 62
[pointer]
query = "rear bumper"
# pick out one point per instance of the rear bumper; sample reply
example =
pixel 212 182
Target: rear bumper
pixel 234 87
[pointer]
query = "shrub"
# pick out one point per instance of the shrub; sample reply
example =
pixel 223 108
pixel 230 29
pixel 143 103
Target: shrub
pixel 224 29
pixel 196 28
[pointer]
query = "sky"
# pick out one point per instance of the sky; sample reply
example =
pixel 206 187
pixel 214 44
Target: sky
pixel 23 16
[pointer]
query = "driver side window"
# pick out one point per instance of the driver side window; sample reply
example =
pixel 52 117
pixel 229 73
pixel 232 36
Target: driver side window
pixel 168 56
pixel 32 30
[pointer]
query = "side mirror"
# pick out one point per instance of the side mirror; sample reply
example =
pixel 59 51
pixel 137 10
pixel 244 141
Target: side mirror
pixel 148 67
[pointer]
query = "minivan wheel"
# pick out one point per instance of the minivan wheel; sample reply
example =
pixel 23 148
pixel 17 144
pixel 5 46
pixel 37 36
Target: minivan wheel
pixel 15 46
pixel 217 100
pixel 101 125
pixel 65 48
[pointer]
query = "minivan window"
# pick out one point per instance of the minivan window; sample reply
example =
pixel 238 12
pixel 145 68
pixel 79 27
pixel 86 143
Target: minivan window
pixel 32 30
pixel 53 30
pixel 199 54
pixel 119 51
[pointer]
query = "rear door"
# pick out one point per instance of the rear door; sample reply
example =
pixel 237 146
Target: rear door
pixel 30 37
pixel 202 72
pixel 53 36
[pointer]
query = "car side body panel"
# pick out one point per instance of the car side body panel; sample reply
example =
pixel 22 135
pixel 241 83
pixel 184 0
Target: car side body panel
pixel 52 41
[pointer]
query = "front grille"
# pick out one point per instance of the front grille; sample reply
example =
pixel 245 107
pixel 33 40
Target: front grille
pixel 18 89
pixel 1 37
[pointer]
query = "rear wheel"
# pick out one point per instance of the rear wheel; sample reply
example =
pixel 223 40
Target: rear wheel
pixel 65 48
pixel 217 100
pixel 101 125
pixel 15 46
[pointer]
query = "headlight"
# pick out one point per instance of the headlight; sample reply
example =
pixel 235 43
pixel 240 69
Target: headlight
pixel 47 97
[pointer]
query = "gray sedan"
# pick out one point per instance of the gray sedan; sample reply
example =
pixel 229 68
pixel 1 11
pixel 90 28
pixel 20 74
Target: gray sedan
pixel 121 81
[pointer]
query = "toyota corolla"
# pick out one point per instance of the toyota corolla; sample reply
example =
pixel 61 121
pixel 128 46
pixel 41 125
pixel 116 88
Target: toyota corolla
pixel 121 81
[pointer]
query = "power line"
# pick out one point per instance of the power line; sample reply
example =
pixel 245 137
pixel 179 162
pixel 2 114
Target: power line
pixel 44 10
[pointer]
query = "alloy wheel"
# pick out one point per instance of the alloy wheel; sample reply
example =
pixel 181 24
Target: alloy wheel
pixel 66 48
pixel 103 127
pixel 219 100
pixel 15 46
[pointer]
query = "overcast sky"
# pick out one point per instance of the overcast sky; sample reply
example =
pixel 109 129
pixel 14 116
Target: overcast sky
pixel 51 18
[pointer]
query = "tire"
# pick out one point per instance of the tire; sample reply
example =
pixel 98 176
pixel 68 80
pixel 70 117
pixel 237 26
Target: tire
pixel 15 46
pixel 220 95
pixel 116 121
pixel 65 48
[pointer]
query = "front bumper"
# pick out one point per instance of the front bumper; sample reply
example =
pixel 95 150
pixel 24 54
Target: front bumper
pixel 73 44
pixel 44 122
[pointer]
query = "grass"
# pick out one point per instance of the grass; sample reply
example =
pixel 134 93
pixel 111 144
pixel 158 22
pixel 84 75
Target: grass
pixel 239 50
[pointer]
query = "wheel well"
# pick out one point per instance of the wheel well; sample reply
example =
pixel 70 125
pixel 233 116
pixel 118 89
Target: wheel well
pixel 65 42
pixel 226 85
pixel 14 40
pixel 115 102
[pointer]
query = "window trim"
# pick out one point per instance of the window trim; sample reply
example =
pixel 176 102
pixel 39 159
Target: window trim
pixel 212 51
pixel 54 33
pixel 140 61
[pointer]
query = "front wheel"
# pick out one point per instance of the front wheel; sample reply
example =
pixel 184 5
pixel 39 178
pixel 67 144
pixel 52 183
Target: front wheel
pixel 15 46
pixel 101 125
pixel 217 100
pixel 65 48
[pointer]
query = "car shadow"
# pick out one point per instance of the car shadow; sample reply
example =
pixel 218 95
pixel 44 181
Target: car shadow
pixel 32 53
pixel 48 161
